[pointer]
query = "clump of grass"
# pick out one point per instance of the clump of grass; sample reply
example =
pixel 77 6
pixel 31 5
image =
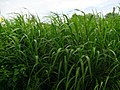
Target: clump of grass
pixel 77 53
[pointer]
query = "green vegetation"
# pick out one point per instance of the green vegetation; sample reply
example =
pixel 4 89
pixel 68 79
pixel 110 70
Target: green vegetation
pixel 77 53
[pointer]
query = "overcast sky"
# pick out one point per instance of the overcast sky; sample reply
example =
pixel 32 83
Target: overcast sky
pixel 44 7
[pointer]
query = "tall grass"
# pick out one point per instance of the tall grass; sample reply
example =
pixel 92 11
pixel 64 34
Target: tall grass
pixel 77 53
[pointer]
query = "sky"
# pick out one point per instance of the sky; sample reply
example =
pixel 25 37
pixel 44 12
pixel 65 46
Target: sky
pixel 44 7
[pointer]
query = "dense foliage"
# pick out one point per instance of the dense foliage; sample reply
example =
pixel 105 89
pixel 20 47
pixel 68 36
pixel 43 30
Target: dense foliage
pixel 78 53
